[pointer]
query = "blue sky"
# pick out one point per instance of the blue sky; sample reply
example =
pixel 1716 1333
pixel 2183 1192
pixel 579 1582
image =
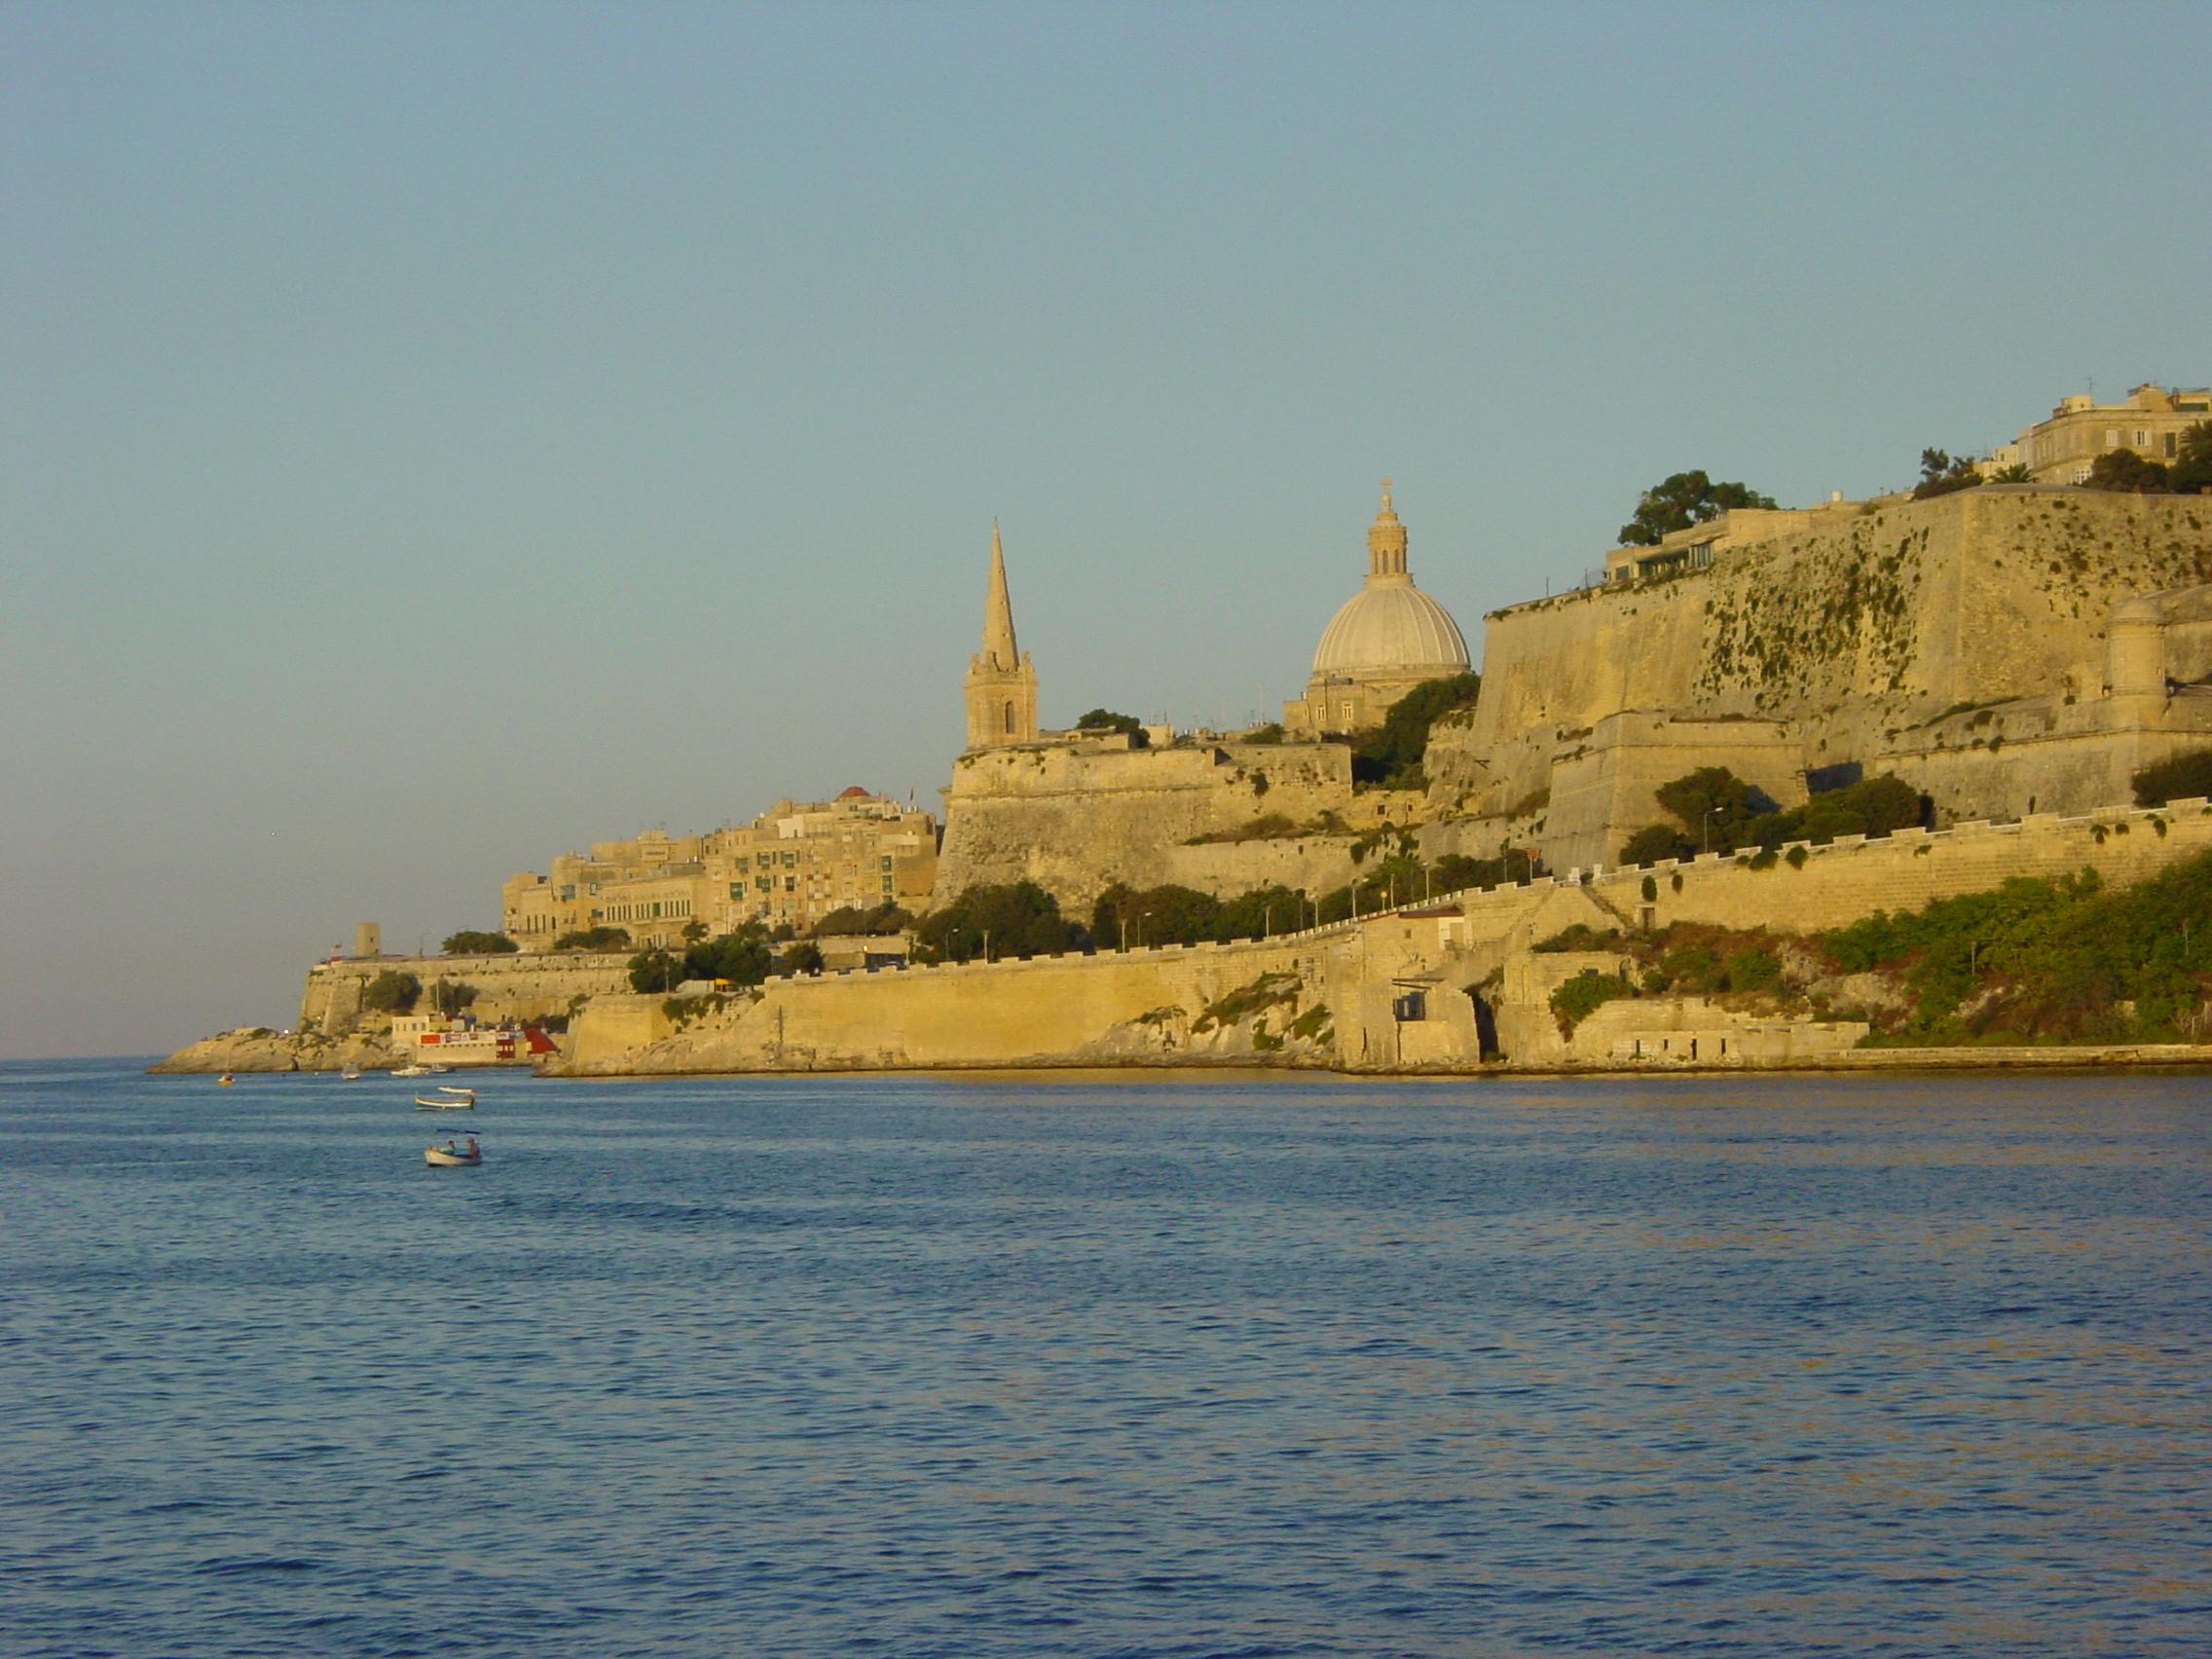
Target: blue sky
pixel 437 436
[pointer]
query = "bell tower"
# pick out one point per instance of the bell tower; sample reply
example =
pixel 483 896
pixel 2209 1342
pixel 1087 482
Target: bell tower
pixel 1000 685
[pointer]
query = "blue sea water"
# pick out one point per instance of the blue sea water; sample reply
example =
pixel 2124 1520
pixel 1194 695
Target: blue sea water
pixel 1132 1366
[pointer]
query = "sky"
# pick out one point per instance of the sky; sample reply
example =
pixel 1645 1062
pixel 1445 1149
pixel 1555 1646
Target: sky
pixel 438 436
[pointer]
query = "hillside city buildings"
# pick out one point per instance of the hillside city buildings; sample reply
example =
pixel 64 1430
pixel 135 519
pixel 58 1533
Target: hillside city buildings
pixel 2062 449
pixel 790 867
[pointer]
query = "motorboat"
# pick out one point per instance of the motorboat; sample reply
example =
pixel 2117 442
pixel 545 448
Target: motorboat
pixel 225 1081
pixel 465 1154
pixel 410 1070
pixel 351 1074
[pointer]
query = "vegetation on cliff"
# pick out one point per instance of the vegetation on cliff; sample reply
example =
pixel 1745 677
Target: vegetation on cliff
pixel 392 991
pixel 2032 961
pixel 1392 753
pixel 2182 778
pixel 1716 811
pixel 471 942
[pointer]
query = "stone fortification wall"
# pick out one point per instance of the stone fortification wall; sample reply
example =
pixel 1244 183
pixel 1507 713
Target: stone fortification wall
pixel 521 986
pixel 1845 632
pixel 1075 817
pixel 1148 1005
pixel 1046 1011
pixel 1613 780
pixel 1853 878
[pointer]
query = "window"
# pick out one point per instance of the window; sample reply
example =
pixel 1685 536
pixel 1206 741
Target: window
pixel 791 884
pixel 2142 439
pixel 2112 437
pixel 1009 720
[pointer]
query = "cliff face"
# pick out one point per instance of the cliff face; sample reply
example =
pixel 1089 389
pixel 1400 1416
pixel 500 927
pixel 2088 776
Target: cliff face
pixel 1076 817
pixel 1849 635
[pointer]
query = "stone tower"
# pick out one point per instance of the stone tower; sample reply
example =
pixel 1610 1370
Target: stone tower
pixel 1001 684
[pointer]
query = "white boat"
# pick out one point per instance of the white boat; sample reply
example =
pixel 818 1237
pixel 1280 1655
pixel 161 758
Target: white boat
pixel 410 1070
pixel 443 1103
pixel 351 1074
pixel 451 1156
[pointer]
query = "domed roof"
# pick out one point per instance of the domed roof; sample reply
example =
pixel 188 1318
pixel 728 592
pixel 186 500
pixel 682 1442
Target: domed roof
pixel 1390 628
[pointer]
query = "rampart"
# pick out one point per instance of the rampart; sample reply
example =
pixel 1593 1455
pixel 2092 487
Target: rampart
pixel 1076 816
pixel 1392 985
pixel 519 986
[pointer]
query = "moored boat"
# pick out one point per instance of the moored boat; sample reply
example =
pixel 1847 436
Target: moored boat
pixel 447 1100
pixel 452 1156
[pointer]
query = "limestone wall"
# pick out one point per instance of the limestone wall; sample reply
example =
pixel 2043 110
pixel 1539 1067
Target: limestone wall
pixel 1075 817
pixel 1847 632
pixel 1145 1005
pixel 521 986
pixel 1047 1010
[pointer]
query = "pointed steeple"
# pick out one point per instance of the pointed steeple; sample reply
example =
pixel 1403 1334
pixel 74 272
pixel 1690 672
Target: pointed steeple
pixel 999 649
pixel 1000 685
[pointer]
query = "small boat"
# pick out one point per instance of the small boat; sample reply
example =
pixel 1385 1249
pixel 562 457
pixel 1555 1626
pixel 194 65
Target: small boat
pixel 225 1081
pixel 410 1070
pixel 447 1100
pixel 351 1074
pixel 433 1069
pixel 452 1156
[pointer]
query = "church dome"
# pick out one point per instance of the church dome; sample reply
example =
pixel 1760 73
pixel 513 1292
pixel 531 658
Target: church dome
pixel 1390 628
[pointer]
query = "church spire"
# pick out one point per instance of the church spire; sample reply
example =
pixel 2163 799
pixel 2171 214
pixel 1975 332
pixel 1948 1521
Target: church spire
pixel 1001 688
pixel 998 611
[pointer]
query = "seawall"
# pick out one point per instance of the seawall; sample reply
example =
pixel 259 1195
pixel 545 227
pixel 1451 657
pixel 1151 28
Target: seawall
pixel 1393 986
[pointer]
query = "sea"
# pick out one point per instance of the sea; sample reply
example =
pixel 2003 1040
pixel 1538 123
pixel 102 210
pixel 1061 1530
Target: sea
pixel 1140 1365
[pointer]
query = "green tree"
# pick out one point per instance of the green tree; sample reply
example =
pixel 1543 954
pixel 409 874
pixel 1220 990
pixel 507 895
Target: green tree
pixel 451 996
pixel 743 956
pixel 1106 719
pixel 655 971
pixel 1392 754
pixel 2192 459
pixel 2182 778
pixel 594 938
pixel 2013 474
pixel 1682 500
pixel 1940 474
pixel 392 991
pixel 2124 472
pixel 693 932
pixel 850 920
pixel 1019 919
pixel 1713 805
pixel 804 957
pixel 1656 843
pixel 471 942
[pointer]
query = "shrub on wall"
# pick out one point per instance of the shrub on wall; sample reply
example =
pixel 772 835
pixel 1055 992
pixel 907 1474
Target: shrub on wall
pixel 1582 996
pixel 392 991
pixel 2178 778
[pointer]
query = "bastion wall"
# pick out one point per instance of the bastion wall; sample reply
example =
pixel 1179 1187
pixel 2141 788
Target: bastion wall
pixel 1075 817
pixel 519 985
pixel 1145 1005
